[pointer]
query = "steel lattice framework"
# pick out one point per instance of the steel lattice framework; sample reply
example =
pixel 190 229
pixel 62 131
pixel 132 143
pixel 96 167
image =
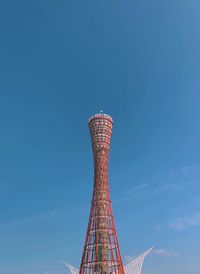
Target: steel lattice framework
pixel 134 267
pixel 101 253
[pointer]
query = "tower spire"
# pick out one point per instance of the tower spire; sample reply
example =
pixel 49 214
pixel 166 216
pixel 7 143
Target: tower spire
pixel 101 252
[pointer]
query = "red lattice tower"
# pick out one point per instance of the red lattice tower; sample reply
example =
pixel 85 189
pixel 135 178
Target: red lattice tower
pixel 101 252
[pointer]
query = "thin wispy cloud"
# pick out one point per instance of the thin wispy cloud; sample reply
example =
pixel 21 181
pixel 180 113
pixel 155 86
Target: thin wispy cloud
pixel 158 227
pixel 169 187
pixel 127 197
pixel 137 188
pixel 192 170
pixel 185 222
pixel 179 179
pixel 166 253
pixel 56 215
pixel 181 224
pixel 172 181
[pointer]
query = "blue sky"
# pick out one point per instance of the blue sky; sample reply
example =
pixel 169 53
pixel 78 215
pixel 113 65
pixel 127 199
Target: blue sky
pixel 62 61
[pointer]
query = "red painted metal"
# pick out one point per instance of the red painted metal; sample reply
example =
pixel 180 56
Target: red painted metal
pixel 101 252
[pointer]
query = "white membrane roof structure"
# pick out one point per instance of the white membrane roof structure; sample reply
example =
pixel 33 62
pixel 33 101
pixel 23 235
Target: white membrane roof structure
pixel 134 267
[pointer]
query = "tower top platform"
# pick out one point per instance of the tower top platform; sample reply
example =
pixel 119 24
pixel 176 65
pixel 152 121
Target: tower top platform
pixel 99 116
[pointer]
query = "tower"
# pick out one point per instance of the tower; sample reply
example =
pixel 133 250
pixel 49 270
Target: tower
pixel 101 254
